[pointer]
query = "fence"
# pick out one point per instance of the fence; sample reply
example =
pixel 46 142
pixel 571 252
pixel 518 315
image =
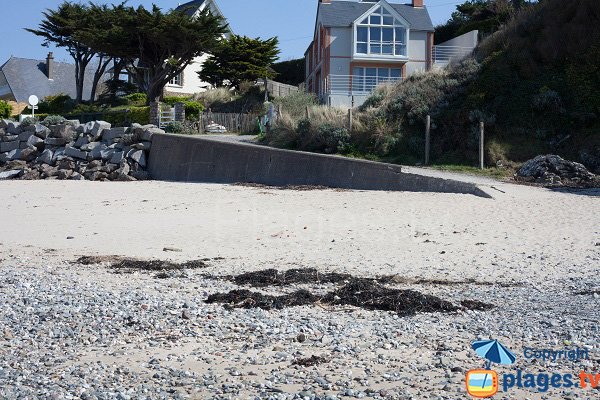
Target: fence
pixel 356 84
pixel 278 89
pixel 233 122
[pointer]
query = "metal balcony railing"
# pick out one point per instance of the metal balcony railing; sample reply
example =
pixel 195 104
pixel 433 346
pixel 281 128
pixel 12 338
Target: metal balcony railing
pixel 445 54
pixel 355 85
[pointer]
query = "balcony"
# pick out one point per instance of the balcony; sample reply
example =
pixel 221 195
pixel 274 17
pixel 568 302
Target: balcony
pixel 355 85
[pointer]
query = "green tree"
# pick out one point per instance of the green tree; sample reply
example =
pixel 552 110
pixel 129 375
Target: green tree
pixel 158 46
pixel 240 59
pixel 5 109
pixel 60 28
pixel 487 16
pixel 290 72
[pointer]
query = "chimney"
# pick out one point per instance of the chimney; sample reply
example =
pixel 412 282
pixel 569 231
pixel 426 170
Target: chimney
pixel 418 3
pixel 50 66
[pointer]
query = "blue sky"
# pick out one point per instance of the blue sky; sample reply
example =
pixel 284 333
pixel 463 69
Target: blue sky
pixel 291 20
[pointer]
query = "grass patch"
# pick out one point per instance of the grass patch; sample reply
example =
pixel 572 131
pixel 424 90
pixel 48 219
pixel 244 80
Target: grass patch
pixel 496 173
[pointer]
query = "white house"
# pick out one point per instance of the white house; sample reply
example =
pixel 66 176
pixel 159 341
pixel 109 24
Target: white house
pixel 360 44
pixel 188 82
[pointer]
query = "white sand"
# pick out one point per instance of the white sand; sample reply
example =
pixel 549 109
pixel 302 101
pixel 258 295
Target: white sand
pixel 547 241
pixel 525 233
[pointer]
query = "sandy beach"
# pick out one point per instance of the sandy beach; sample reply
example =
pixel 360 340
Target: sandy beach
pixel 532 253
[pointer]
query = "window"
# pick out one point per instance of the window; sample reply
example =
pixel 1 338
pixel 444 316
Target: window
pixel 381 34
pixel 177 81
pixel 366 79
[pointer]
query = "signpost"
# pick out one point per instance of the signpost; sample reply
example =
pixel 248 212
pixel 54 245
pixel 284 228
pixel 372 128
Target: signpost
pixel 33 102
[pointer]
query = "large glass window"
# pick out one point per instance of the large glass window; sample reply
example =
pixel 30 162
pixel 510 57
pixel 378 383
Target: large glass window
pixel 381 33
pixel 366 79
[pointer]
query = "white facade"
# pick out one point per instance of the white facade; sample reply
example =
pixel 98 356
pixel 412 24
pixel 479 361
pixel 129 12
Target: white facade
pixel 189 82
pixel 345 63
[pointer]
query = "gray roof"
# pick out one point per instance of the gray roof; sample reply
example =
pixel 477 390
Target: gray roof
pixel 190 7
pixel 26 77
pixel 343 13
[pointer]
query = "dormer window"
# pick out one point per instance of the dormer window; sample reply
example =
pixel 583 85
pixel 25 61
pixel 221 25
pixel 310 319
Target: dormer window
pixel 381 33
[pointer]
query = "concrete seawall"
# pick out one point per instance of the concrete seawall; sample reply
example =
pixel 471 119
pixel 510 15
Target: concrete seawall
pixel 198 159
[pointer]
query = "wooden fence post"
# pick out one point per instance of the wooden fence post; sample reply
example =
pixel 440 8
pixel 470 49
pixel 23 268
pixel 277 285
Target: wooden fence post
pixel 307 113
pixel 349 120
pixel 427 138
pixel 481 145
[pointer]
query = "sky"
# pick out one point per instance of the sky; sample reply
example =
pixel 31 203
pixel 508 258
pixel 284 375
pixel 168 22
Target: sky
pixel 291 20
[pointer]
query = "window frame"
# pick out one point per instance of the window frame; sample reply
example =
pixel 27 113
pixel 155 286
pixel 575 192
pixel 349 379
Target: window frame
pixel 179 78
pixel 382 11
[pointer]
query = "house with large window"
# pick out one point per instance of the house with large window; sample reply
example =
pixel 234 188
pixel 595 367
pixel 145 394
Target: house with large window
pixel 361 44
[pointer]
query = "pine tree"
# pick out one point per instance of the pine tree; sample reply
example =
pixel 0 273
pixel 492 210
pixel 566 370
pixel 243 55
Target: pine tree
pixel 240 59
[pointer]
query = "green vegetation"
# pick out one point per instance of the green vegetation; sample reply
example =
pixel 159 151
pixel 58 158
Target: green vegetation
pixel 240 59
pixel 53 120
pixel 57 104
pixel 180 128
pixel 122 35
pixel 5 109
pixel 486 16
pixel 223 100
pixel 295 104
pixel 533 83
pixel 290 72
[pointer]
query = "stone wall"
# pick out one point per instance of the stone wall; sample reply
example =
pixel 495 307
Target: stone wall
pixel 197 159
pixel 70 150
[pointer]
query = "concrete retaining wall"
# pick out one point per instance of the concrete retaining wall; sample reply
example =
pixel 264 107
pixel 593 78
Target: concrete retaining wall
pixel 198 159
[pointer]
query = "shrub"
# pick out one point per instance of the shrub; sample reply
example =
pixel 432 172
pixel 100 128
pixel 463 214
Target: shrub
pixel 179 128
pixel 295 104
pixel 28 122
pixel 324 131
pixel 53 120
pixel 548 101
pixel 57 104
pixel 214 96
pixel 171 100
pixel 136 99
pixel 193 109
pixel 86 109
pixel 175 127
pixel 332 139
pixel 141 115
pixel 5 109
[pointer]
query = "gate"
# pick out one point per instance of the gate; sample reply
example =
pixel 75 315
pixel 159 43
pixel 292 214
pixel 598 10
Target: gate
pixel 165 117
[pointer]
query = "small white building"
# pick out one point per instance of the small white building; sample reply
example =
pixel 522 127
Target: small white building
pixel 188 82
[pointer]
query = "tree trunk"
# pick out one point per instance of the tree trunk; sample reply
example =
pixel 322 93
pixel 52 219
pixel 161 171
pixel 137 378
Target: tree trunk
pixel 78 81
pixel 154 93
pixel 103 62
pixel 81 63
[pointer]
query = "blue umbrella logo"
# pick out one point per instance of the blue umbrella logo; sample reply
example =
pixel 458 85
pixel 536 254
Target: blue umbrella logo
pixel 494 352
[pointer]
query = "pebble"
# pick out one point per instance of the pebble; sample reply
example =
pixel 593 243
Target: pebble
pixel 83 332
